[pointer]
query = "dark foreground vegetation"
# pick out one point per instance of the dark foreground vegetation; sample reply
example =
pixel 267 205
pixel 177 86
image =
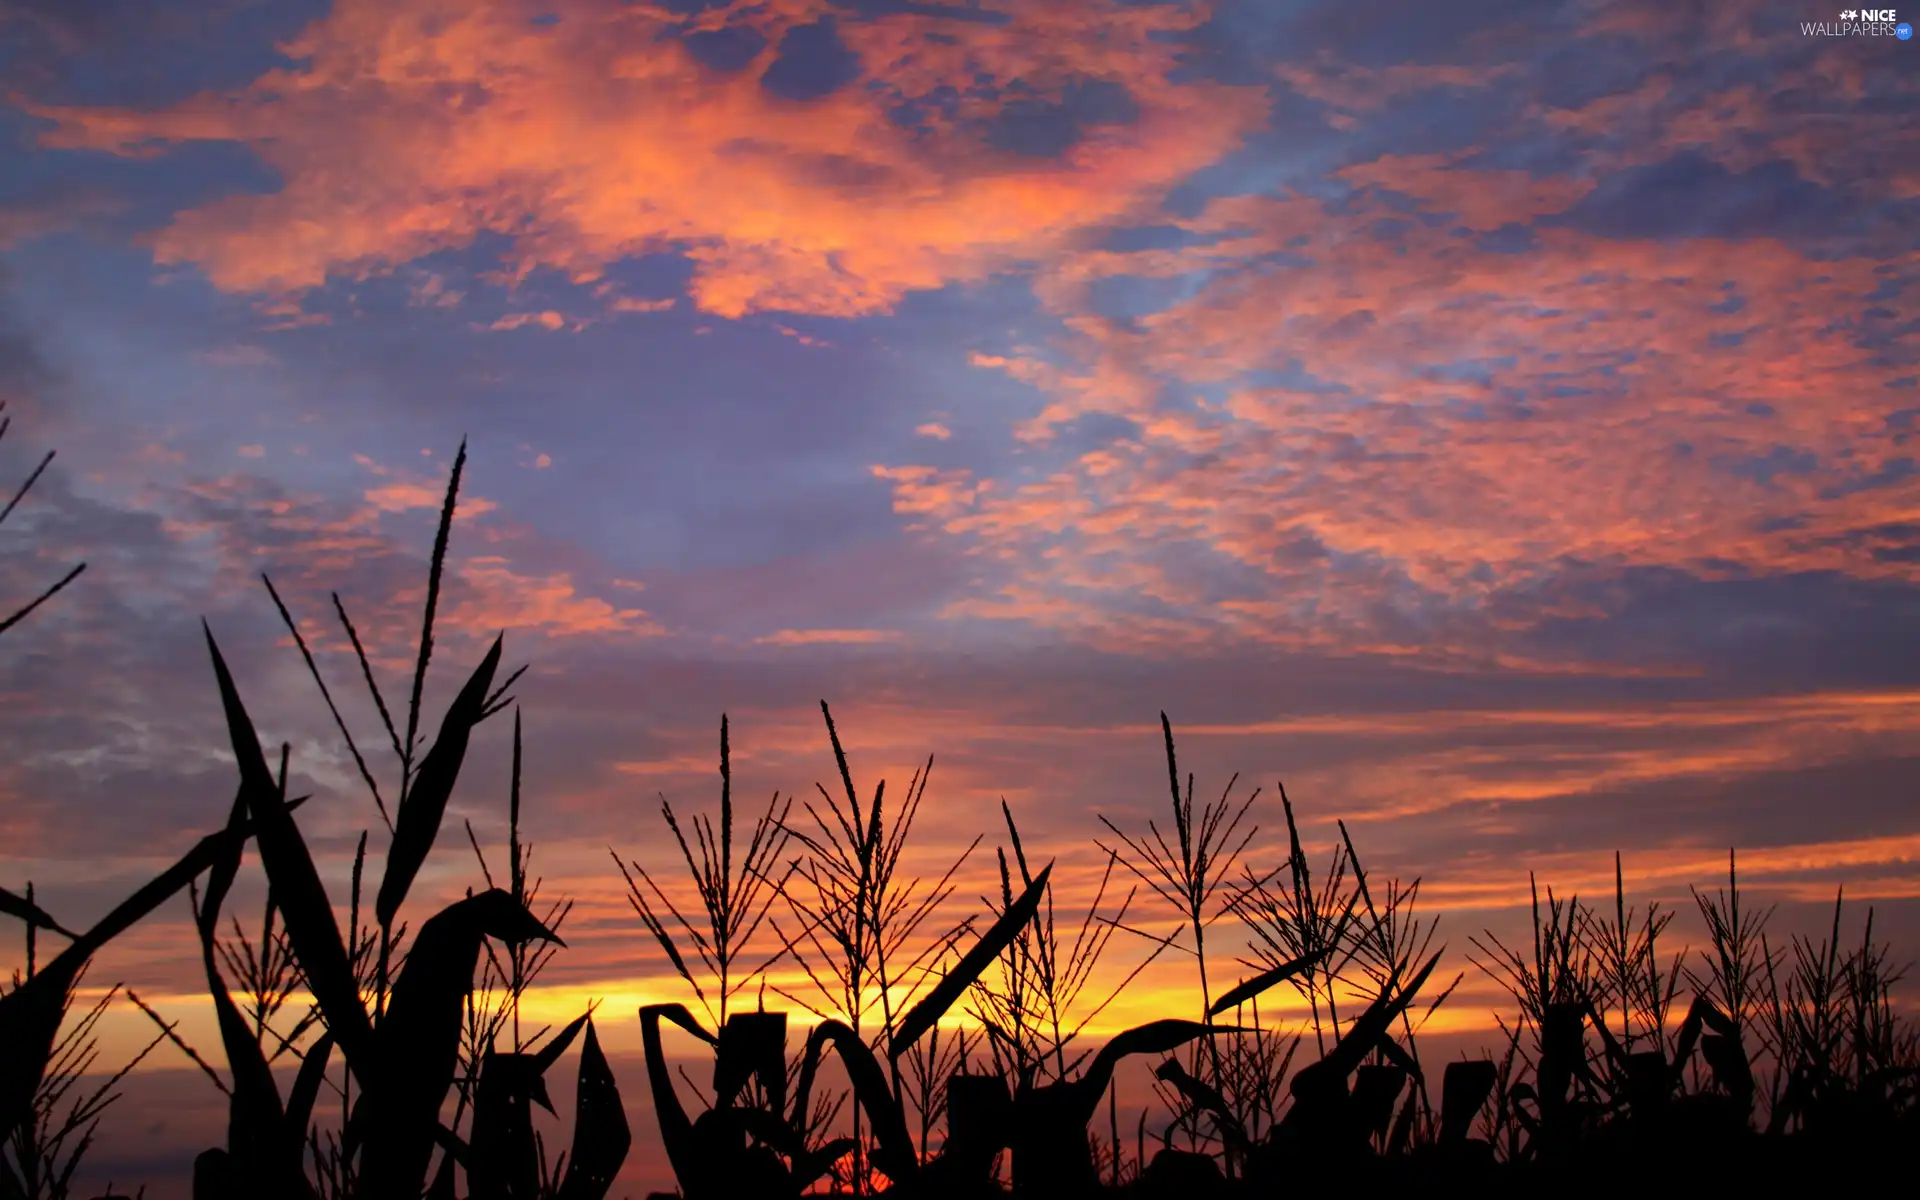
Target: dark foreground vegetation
pixel 1625 1063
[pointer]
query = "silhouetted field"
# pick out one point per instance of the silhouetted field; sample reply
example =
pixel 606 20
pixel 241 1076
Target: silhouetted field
pixel 929 1052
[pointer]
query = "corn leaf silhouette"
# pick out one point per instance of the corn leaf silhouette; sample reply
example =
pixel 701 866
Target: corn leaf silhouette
pixel 418 821
pixel 418 1043
pixel 893 1149
pixel 1155 1037
pixel 255 1119
pixel 25 910
pixel 676 1130
pixel 503 1161
pixel 1247 989
pixel 601 1135
pixel 296 885
pixel 1204 1097
pixel 927 1013
pixel 1048 1128
pixel 752 1045
pixel 1464 1088
pixel 1364 1035
pixel 306 1091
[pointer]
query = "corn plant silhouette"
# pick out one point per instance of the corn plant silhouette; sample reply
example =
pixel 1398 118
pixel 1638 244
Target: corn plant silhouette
pixel 735 896
pixel 1188 873
pixel 399 1007
pixel 1028 1010
pixel 857 918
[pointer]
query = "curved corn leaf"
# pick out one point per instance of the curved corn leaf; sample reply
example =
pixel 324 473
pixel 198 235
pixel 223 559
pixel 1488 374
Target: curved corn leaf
pixel 306 1090
pixel 1205 1097
pixel 418 821
pixel 419 1041
pixel 676 1131
pixel 1247 989
pixel 296 885
pixel 255 1119
pixel 1464 1088
pixel 1394 1053
pixel 893 1149
pixel 1048 1129
pixel 225 868
pixel 601 1135
pixel 1702 1012
pixel 1155 1037
pixel 752 1045
pixel 1727 1059
pixel 809 1165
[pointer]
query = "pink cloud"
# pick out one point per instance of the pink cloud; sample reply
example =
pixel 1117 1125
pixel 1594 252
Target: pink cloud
pixel 825 208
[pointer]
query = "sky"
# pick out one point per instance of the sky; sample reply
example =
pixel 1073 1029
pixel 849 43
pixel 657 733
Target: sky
pixel 1489 420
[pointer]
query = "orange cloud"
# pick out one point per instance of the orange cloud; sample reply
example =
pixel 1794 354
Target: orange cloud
pixel 407 497
pixel 1464 422
pixel 505 599
pixel 1478 199
pixel 929 491
pixel 410 128
pixel 545 320
pixel 828 637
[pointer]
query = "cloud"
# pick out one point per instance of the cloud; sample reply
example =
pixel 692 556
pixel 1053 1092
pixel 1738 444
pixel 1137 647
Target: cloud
pixel 502 598
pixel 1477 199
pixel 828 637
pixel 408 129
pixel 545 320
pixel 626 304
pixel 1350 427
pixel 408 497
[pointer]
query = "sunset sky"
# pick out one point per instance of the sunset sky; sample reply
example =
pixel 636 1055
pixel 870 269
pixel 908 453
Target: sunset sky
pixel 1489 418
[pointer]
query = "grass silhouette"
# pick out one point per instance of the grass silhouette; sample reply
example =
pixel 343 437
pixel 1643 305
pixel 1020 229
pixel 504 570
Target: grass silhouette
pixel 1791 1067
